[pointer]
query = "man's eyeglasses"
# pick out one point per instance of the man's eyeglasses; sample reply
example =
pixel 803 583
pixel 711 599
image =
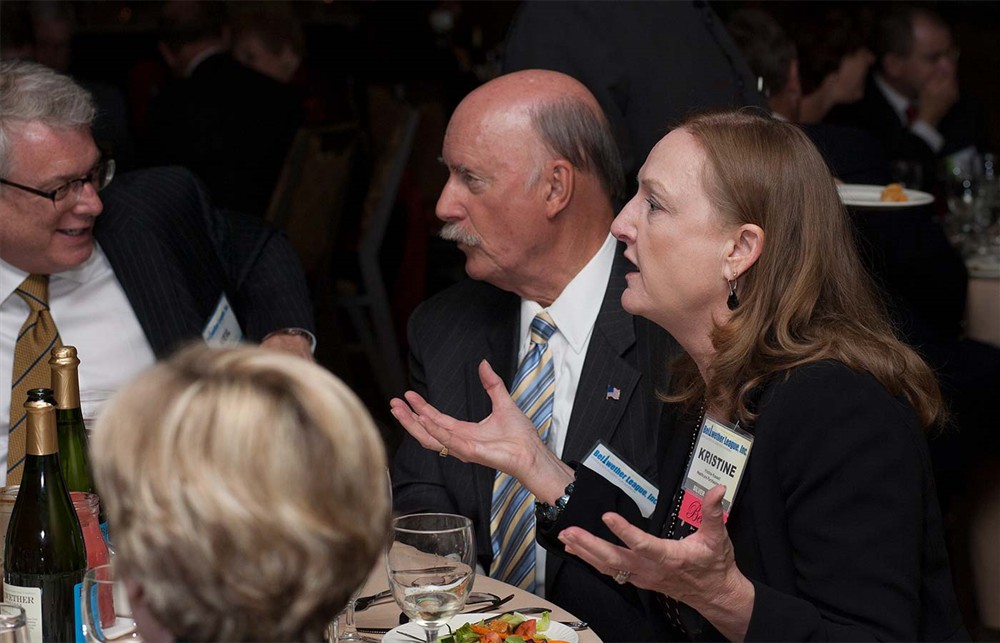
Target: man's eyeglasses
pixel 67 195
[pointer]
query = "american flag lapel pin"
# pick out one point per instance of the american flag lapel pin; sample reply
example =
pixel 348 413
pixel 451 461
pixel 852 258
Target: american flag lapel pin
pixel 614 393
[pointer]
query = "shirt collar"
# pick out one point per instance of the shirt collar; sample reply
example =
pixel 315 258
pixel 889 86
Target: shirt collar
pixel 575 310
pixel 11 277
pixel 897 101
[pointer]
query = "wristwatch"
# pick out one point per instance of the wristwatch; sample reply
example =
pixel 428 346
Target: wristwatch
pixel 550 513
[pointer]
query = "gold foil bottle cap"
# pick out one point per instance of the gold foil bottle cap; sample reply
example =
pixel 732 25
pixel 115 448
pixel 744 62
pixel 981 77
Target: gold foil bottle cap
pixel 65 381
pixel 41 437
pixel 64 356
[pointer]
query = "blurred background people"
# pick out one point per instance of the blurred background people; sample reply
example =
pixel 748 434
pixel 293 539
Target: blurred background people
pixel 912 102
pixel 230 125
pixel 267 37
pixel 834 62
pixel 248 495
pixel 772 58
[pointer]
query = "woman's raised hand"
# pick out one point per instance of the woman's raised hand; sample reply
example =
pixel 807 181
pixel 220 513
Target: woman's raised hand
pixel 699 570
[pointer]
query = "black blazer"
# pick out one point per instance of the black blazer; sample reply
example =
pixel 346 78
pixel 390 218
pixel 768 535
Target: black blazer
pixel 874 114
pixel 836 521
pixel 648 63
pixel 175 255
pixel 450 334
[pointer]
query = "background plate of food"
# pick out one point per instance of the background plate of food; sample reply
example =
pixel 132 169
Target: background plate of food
pixel 881 196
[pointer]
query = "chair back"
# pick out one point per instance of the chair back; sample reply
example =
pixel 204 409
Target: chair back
pixel 312 192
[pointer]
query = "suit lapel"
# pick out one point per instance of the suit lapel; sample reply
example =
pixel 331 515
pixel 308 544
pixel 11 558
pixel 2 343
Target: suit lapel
pixel 595 413
pixel 501 352
pixel 144 274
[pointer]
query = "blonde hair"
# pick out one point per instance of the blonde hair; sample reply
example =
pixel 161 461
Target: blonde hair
pixel 808 296
pixel 245 491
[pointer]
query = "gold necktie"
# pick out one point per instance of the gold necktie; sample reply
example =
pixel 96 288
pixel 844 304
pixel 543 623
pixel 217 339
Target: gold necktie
pixel 38 336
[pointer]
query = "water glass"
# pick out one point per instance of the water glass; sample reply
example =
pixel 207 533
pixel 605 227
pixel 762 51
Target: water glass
pixel 106 612
pixel 431 566
pixel 13 624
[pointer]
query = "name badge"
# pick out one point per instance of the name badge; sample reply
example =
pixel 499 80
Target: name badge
pixel 610 466
pixel 223 329
pixel 720 457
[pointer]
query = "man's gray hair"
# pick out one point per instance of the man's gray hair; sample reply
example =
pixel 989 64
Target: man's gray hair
pixel 573 130
pixel 32 92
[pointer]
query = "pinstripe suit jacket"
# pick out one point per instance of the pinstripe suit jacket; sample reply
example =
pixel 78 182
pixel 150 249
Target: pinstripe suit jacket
pixel 175 255
pixel 449 335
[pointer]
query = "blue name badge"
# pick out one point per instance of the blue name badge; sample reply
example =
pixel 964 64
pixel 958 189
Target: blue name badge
pixel 610 466
pixel 223 329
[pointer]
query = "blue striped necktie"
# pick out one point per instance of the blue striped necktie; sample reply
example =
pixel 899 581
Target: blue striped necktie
pixel 37 338
pixel 512 519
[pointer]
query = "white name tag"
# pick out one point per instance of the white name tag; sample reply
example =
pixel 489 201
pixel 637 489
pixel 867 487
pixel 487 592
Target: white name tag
pixel 223 329
pixel 720 457
pixel 609 465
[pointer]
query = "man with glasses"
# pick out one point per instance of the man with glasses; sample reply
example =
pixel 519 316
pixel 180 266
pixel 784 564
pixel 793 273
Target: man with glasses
pixel 125 276
pixel 911 102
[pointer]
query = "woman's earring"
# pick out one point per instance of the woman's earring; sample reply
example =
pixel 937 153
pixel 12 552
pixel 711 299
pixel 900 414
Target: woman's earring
pixel 733 300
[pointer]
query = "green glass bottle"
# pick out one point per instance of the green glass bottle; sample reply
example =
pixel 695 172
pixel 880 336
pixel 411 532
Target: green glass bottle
pixel 74 457
pixel 45 557
pixel 74 449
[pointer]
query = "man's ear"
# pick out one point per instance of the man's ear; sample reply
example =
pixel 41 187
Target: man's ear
pixel 559 181
pixel 747 244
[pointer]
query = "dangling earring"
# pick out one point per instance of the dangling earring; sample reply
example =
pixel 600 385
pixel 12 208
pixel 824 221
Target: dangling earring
pixel 733 300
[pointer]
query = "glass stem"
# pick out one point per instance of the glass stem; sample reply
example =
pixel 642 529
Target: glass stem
pixel 350 615
pixel 432 633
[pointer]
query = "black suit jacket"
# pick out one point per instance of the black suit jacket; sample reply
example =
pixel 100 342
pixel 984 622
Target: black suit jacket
pixel 228 124
pixel 874 114
pixel 175 255
pixel 450 334
pixel 836 521
pixel 648 63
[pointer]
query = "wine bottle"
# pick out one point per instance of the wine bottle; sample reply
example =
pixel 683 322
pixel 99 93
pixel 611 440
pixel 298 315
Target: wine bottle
pixel 45 557
pixel 74 459
pixel 74 450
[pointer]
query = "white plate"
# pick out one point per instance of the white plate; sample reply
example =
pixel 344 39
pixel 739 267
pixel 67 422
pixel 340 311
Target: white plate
pixel 556 631
pixel 870 196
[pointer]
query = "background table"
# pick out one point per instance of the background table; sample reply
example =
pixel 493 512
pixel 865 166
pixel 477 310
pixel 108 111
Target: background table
pixel 387 614
pixel 983 311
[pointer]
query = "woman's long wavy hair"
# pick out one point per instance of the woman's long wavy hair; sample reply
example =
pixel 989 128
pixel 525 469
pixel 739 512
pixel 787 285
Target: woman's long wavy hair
pixel 808 296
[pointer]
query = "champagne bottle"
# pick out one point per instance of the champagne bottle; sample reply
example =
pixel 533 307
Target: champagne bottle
pixel 45 557
pixel 74 454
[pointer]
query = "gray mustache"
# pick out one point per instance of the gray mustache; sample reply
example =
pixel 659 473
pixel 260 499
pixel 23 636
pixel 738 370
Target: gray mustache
pixel 454 232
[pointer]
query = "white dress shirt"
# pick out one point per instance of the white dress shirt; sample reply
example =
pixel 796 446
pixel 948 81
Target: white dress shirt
pixel 574 313
pixel 91 311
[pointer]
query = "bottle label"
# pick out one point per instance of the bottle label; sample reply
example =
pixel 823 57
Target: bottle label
pixel 30 598
pixel 78 613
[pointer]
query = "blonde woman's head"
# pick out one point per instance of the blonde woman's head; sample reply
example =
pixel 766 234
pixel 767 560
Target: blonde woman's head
pixel 246 493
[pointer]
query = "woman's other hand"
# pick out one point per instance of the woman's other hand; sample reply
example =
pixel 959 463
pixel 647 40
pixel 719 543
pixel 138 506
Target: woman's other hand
pixel 505 440
pixel 700 570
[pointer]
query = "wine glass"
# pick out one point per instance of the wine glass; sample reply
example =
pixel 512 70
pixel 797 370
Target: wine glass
pixel 106 612
pixel 431 565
